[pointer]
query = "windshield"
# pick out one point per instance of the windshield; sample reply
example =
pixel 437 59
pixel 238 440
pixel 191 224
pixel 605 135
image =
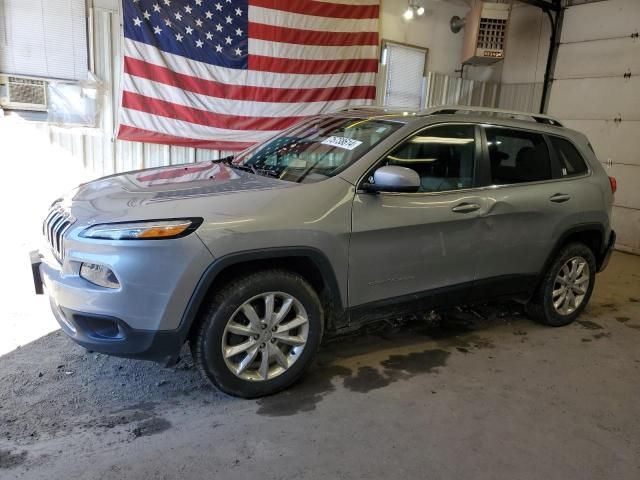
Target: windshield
pixel 316 149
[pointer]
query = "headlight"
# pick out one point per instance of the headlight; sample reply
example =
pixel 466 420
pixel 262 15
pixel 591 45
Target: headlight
pixel 99 275
pixel 144 230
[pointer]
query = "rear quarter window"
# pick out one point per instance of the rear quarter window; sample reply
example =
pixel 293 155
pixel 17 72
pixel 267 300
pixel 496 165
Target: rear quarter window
pixel 571 162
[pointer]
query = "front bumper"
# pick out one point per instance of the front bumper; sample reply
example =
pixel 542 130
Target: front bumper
pixel 143 318
pixel 112 336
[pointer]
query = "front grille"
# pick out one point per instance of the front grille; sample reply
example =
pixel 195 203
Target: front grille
pixel 54 227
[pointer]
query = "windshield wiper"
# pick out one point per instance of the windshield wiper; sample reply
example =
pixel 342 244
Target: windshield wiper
pixel 267 172
pixel 226 160
pixel 244 168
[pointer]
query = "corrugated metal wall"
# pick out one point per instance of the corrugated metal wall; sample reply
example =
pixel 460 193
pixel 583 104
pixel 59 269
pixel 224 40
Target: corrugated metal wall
pixel 102 154
pixel 449 90
pixel 524 97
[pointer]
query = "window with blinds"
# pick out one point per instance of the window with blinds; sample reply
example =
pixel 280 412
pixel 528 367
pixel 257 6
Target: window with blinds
pixel 43 38
pixel 405 70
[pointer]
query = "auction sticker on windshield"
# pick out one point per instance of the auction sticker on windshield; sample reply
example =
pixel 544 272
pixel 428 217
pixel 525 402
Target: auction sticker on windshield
pixel 342 142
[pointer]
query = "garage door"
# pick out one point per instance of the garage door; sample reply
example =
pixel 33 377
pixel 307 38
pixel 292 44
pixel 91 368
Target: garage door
pixel 596 90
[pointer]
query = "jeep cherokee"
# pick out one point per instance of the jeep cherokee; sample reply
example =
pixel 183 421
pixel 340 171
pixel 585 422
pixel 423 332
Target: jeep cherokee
pixel 340 220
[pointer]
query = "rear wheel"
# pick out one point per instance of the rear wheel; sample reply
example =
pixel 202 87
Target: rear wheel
pixel 259 333
pixel 566 287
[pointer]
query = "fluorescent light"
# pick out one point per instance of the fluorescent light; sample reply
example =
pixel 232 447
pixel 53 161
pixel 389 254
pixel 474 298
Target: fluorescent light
pixel 411 160
pixel 445 140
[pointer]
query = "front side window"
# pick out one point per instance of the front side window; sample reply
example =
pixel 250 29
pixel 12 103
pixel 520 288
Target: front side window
pixel 316 149
pixel 517 156
pixel 442 156
pixel 571 162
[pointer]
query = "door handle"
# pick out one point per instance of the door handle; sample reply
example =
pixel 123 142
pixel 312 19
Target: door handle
pixel 560 197
pixel 466 207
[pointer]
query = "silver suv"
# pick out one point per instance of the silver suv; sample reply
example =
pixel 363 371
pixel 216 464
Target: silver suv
pixel 341 220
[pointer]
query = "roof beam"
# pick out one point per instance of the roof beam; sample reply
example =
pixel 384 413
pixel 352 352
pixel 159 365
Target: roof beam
pixel 546 5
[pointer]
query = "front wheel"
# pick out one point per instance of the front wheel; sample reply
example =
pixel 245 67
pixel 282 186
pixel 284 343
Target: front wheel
pixel 566 287
pixel 259 333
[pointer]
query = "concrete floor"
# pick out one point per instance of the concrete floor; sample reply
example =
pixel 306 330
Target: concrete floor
pixel 490 398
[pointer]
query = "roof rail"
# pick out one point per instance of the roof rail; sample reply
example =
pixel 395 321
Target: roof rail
pixel 452 109
pixel 360 107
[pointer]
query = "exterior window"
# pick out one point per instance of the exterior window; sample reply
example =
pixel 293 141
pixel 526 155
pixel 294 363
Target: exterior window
pixel 571 162
pixel 405 68
pixel 442 156
pixel 517 156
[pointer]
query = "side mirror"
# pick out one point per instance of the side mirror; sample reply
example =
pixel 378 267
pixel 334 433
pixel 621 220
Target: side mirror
pixel 394 179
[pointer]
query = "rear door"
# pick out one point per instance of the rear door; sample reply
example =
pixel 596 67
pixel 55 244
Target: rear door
pixel 417 245
pixel 528 207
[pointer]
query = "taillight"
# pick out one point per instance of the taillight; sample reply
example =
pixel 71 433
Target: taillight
pixel 614 184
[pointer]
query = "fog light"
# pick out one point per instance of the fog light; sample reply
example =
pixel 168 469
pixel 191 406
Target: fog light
pixel 99 275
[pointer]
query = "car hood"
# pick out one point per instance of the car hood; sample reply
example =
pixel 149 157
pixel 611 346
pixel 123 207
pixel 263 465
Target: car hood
pixel 165 192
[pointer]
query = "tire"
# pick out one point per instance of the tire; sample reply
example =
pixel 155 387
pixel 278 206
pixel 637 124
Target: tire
pixel 228 325
pixel 542 308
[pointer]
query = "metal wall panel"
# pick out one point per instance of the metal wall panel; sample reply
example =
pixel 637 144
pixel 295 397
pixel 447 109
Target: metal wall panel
pixel 451 90
pixel 600 98
pixel 600 58
pixel 626 221
pixel 524 97
pixel 595 90
pixel 603 133
pixel 600 20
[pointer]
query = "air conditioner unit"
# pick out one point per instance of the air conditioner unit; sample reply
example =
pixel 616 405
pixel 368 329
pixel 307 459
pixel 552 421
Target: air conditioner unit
pixel 485 33
pixel 23 93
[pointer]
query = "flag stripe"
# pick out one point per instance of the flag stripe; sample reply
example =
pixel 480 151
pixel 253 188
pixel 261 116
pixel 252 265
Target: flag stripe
pixel 310 22
pixel 230 76
pixel 310 37
pixel 293 51
pixel 134 134
pixel 181 128
pixel 311 67
pixel 204 117
pixel 212 88
pixel 319 8
pixel 180 96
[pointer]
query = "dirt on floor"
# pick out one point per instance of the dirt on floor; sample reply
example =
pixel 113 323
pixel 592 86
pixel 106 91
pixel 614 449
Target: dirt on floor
pixel 476 393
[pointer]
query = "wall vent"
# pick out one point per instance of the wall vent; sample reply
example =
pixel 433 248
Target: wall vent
pixel 485 33
pixel 23 93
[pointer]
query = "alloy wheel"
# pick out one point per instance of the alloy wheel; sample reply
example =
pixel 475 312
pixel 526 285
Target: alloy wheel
pixel 265 336
pixel 571 285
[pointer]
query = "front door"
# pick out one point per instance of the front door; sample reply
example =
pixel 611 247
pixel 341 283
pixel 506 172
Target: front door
pixel 424 245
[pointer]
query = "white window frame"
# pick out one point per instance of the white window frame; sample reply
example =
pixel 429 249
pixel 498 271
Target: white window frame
pixel 385 74
pixel 45 39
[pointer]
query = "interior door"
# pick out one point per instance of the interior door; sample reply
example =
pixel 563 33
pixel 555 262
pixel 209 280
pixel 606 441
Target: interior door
pixel 418 245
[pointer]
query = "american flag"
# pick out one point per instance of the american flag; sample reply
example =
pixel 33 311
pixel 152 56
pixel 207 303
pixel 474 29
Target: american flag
pixel 225 74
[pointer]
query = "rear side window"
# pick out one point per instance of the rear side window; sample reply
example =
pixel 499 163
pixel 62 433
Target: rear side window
pixel 571 162
pixel 517 156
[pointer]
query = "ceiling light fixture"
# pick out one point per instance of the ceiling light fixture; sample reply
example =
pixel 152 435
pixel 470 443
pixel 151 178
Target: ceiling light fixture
pixel 412 11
